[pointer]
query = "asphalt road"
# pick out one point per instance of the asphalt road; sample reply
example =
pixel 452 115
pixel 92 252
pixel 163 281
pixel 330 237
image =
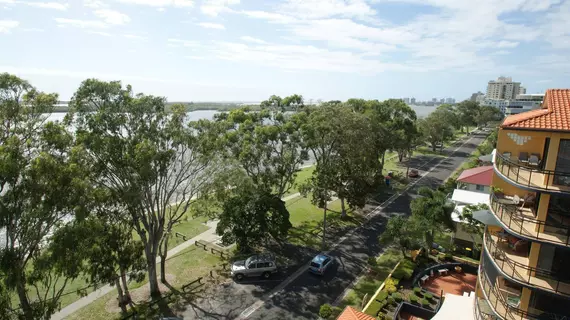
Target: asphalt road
pixel 296 294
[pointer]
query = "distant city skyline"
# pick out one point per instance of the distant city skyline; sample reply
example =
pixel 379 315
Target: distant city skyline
pixel 232 50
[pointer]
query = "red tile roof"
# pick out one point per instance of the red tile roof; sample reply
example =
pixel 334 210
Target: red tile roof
pixel 350 313
pixel 480 175
pixel 553 115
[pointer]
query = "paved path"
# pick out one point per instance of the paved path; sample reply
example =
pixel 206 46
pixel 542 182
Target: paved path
pixel 295 294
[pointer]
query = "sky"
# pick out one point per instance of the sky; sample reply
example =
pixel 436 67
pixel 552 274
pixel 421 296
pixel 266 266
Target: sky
pixel 247 50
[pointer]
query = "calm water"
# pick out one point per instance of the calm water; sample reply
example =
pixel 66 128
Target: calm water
pixel 421 111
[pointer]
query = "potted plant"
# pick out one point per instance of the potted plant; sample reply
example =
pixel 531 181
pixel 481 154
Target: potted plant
pixel 497 191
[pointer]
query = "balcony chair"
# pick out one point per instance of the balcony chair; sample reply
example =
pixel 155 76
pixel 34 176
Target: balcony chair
pixel 534 160
pixel 523 157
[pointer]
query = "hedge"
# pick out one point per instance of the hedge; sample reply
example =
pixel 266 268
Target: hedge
pixel 417 290
pixel 382 295
pixel 397 296
pixel 425 303
pixel 428 295
pixel 391 300
pixel 413 298
pixel 374 308
pixel 405 270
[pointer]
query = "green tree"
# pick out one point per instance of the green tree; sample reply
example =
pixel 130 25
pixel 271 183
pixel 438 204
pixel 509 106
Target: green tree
pixel 151 162
pixel 400 125
pixel 37 166
pixel 486 114
pixel 473 227
pixel 432 211
pixel 265 150
pixel 435 129
pixel 467 110
pixel 403 232
pixel 294 101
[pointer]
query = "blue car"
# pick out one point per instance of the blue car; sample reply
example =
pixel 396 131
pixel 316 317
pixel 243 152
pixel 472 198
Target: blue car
pixel 320 264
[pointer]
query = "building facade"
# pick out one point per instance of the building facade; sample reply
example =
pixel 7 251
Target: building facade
pixel 523 103
pixel 500 104
pixel 524 271
pixel 503 88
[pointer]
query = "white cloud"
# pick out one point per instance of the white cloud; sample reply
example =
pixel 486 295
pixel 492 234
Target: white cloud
pixel 183 43
pixel 63 22
pixel 33 30
pixel 134 36
pixel 195 57
pixel 7 25
pixel 160 9
pixel 316 9
pixel 252 39
pixel 47 5
pixel 544 81
pixel 100 33
pixel 210 25
pixel 215 7
pixel 94 4
pixel 507 44
pixel 501 52
pixel 161 3
pixel 112 16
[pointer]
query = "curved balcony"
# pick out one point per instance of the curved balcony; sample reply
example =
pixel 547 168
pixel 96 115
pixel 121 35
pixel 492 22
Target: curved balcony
pixel 499 304
pixel 483 311
pixel 532 177
pixel 521 221
pixel 513 262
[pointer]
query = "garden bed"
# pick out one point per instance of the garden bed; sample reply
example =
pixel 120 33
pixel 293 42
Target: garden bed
pixel 388 303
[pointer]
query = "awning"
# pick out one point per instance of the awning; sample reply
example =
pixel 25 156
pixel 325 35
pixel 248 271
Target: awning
pixel 488 157
pixel 469 197
pixel 456 307
pixel 486 217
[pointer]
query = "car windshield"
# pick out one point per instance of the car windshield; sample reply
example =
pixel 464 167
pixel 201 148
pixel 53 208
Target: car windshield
pixel 248 261
pixel 316 265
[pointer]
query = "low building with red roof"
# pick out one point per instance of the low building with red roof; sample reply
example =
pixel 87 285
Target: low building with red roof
pixel 349 313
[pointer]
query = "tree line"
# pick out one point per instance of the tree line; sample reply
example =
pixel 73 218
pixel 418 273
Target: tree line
pixel 97 195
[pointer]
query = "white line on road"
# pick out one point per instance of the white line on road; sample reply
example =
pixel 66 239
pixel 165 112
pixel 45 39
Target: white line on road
pixel 259 303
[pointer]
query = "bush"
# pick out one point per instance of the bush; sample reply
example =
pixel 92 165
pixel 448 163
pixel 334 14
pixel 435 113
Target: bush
pixel 404 270
pixel 387 318
pixel 373 308
pixel 425 303
pixel 335 312
pixel 418 290
pixel 390 301
pixel 382 295
pixel 372 261
pixel 413 298
pixel 390 286
pixel 428 296
pixel 325 311
pixel 448 257
pixel 397 297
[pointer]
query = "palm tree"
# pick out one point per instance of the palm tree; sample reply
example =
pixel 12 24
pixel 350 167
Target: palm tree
pixel 432 211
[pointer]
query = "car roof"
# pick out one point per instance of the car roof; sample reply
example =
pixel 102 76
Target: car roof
pixel 319 258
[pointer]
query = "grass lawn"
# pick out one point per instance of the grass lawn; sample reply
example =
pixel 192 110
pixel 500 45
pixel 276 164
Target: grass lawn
pixel 302 176
pixel 185 267
pixel 369 283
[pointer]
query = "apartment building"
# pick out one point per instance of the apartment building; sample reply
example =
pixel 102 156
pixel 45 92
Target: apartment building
pixel 503 88
pixel 525 265
pixel 523 103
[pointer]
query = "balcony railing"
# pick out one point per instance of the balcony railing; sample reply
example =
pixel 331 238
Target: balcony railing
pixel 537 277
pixel 527 226
pixel 482 310
pixel 501 307
pixel 498 302
pixel 532 177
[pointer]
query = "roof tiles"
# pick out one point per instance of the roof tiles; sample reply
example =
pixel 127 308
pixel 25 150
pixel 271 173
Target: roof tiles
pixel 350 313
pixel 554 114
pixel 480 175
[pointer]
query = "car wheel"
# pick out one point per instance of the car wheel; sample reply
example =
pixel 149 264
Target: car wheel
pixel 266 275
pixel 239 276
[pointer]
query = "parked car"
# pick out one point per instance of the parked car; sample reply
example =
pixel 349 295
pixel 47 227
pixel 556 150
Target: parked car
pixel 320 264
pixel 413 173
pixel 258 265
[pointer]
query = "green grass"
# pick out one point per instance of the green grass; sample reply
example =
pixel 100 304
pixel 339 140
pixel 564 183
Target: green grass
pixel 368 284
pixel 186 266
pixel 302 176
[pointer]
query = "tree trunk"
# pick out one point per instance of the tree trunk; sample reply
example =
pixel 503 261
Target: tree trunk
pixel 163 252
pixel 342 208
pixel 429 240
pixel 24 303
pixel 126 287
pixel 122 303
pixel 324 226
pixel 401 156
pixel 433 146
pixel 151 269
pixel 383 157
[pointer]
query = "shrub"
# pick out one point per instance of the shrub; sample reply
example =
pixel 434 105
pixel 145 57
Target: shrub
pixel 390 286
pixel 428 296
pixel 413 298
pixel 336 311
pixel 425 303
pixel 397 297
pixel 418 291
pixel 390 300
pixel 404 270
pixel 448 256
pixel 373 308
pixel 382 295
pixel 372 261
pixel 325 311
pixel 387 318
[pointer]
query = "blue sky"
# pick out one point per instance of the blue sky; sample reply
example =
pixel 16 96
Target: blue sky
pixel 242 50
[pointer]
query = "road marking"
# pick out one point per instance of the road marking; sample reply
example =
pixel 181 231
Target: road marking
pixel 259 303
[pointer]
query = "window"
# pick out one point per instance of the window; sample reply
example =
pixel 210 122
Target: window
pixel 563 164
pixel 261 265
pixel 251 266
pixel 479 187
